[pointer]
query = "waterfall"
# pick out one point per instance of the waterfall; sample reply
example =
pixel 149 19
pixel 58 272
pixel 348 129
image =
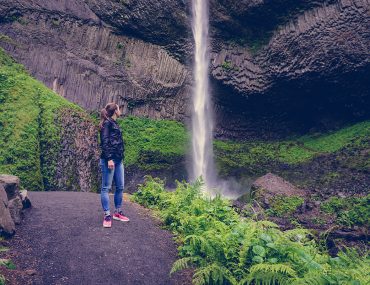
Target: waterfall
pixel 202 121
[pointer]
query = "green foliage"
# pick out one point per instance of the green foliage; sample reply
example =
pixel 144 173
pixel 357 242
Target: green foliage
pixel 153 144
pixel 227 249
pixel 231 155
pixel 349 211
pixel 282 206
pixel 29 130
pixel 7 263
pixel 227 65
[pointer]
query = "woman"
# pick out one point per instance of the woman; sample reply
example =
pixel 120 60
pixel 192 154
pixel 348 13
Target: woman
pixel 112 154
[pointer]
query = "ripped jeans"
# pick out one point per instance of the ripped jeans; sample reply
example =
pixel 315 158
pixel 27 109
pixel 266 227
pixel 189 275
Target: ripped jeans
pixel 117 173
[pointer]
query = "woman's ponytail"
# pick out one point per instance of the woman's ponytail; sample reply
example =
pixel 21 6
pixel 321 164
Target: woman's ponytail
pixel 107 112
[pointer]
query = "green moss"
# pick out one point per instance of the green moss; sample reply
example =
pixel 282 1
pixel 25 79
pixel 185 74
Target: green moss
pixel 29 132
pixel 251 155
pixel 336 140
pixel 6 39
pixel 153 144
pixel 227 65
pixel 282 206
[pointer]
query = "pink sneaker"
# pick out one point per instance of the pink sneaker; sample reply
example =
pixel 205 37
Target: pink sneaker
pixel 120 217
pixel 107 222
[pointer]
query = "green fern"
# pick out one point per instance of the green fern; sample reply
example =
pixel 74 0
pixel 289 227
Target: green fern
pixel 227 249
pixel 214 274
pixel 273 268
pixel 184 263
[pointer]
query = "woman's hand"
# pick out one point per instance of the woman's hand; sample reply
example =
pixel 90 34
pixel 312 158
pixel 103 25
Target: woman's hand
pixel 110 164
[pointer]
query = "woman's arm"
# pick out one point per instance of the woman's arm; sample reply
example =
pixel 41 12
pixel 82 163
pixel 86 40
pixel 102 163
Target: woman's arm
pixel 105 143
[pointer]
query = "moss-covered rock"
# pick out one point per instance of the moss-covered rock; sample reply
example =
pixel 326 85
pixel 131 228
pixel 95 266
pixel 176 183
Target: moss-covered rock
pixel 34 123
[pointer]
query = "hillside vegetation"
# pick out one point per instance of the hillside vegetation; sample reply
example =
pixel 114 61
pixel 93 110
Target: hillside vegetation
pixel 29 128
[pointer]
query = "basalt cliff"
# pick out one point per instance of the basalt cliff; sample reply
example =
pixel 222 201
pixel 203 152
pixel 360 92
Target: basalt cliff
pixel 277 67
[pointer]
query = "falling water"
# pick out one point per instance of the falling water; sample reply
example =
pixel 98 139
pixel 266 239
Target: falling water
pixel 202 125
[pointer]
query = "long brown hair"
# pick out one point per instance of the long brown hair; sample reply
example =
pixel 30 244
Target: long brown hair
pixel 107 112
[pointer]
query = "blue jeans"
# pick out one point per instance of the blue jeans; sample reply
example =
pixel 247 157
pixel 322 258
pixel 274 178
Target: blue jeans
pixel 117 173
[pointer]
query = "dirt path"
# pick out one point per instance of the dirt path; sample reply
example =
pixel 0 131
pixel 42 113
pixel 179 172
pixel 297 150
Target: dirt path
pixel 63 240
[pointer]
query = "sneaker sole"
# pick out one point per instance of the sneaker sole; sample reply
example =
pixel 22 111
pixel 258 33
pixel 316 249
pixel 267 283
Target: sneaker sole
pixel 117 219
pixel 106 226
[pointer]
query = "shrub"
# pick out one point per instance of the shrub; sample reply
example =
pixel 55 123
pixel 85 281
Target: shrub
pixel 227 249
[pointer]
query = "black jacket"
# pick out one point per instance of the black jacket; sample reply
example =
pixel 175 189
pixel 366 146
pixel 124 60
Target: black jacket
pixel 111 141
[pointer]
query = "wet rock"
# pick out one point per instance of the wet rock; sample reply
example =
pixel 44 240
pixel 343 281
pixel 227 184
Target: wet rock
pixel 269 186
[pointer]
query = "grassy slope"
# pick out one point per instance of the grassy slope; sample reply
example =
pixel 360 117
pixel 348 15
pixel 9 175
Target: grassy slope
pixel 293 151
pixel 29 137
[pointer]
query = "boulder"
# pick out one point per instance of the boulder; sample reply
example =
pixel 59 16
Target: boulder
pixel 7 226
pixel 270 185
pixel 15 208
pixel 12 202
pixel 11 185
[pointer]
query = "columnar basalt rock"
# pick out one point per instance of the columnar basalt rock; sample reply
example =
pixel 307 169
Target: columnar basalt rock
pixel 73 52
pixel 276 65
pixel 78 158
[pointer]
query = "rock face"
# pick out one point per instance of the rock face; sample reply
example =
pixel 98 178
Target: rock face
pixel 66 46
pixel 78 157
pixel 278 67
pixel 311 73
pixel 10 204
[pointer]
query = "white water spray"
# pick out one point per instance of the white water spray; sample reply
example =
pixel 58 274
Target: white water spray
pixel 202 123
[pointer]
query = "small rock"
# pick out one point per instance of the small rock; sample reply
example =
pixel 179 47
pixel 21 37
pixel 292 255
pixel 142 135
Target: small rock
pixel 30 272
pixel 25 200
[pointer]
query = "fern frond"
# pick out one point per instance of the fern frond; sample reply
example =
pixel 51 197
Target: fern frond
pixel 275 268
pixel 267 224
pixel 184 263
pixel 214 274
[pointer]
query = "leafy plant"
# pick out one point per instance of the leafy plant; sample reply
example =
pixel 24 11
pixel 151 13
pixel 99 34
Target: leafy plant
pixel 227 249
pixel 282 206
pixel 349 211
